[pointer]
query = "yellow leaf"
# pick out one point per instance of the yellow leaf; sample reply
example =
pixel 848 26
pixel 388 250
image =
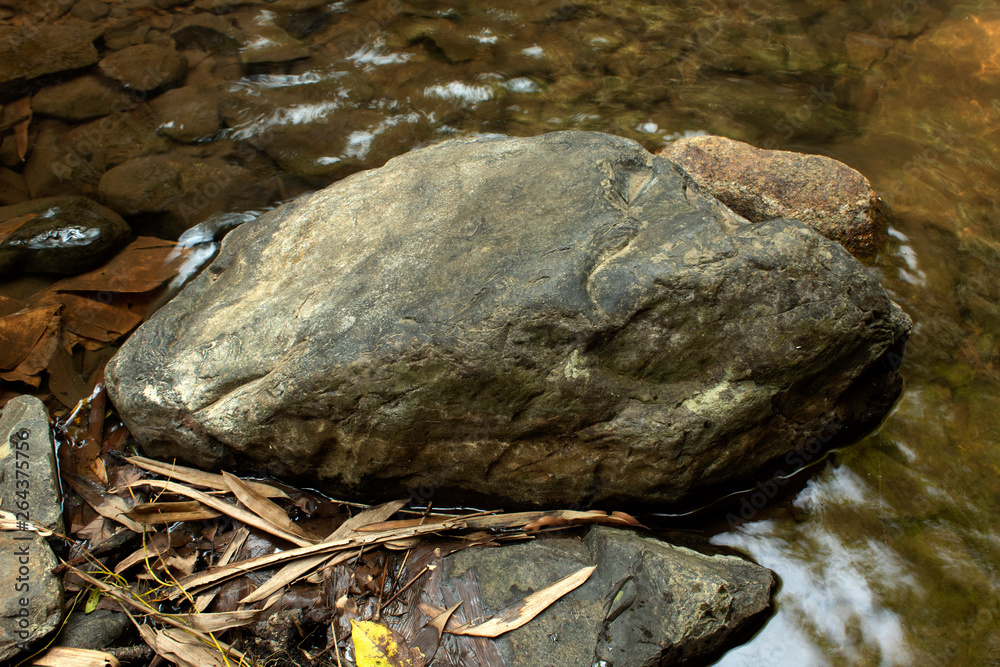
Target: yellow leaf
pixel 92 600
pixel 375 645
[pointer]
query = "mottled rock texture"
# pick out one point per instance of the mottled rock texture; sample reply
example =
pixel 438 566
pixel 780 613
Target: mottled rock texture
pixel 647 603
pixel 541 321
pixel 835 200
pixel 31 606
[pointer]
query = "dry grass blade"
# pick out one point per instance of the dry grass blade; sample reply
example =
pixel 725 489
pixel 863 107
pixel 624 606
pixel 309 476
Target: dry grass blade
pixel 218 574
pixel 199 477
pixel 61 656
pixel 106 504
pixel 160 544
pixel 522 611
pixel 367 517
pixel 127 599
pixel 264 508
pixel 163 513
pixel 220 621
pixel 247 517
pixel 285 577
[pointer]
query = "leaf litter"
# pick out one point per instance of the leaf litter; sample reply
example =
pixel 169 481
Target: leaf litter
pixel 201 561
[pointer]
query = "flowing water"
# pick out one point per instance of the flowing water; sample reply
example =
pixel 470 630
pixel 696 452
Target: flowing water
pixel 890 553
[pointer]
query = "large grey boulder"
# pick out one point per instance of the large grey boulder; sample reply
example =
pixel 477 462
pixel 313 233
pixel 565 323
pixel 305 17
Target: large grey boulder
pixel 559 319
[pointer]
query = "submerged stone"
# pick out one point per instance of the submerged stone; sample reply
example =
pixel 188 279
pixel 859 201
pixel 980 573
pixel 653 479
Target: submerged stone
pixel 65 235
pixel 559 319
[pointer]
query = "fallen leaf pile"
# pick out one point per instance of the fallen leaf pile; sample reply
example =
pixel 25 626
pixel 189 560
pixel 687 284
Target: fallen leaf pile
pixel 63 333
pixel 198 560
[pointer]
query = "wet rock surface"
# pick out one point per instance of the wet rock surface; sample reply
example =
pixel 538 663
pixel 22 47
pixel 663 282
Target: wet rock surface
pixel 835 200
pixel 30 51
pixel 145 66
pixel 647 603
pixel 187 114
pixel 82 98
pixel 32 604
pixel 184 186
pixel 65 235
pixel 536 321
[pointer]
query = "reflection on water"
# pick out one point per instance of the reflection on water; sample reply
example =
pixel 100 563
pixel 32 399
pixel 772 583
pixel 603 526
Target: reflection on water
pixel 832 591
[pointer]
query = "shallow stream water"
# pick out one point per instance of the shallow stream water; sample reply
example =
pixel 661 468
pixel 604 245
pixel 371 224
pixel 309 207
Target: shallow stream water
pixel 890 553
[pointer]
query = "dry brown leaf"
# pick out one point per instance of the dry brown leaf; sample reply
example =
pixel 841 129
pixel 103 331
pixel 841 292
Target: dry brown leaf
pixel 142 266
pixel 293 571
pixel 216 575
pixel 14 376
pixel 62 656
pixel 22 107
pixel 522 611
pixel 183 565
pixel 222 620
pixel 65 382
pixel 106 504
pixel 97 531
pixel 199 477
pixel 104 322
pixel 155 546
pixel 128 600
pixel 243 515
pixel 171 512
pixel 22 331
pixel 264 508
pixel 429 638
pixel 239 537
pixel 182 649
pixel 367 517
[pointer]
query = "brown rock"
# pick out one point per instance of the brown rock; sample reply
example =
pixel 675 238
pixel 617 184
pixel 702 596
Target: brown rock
pixel 835 200
pixel 208 32
pixel 82 98
pixel 30 51
pixel 146 66
pixel 68 235
pixel 270 43
pixel 90 10
pixel 13 189
pixel 187 114
pixel 55 167
pixel 187 185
